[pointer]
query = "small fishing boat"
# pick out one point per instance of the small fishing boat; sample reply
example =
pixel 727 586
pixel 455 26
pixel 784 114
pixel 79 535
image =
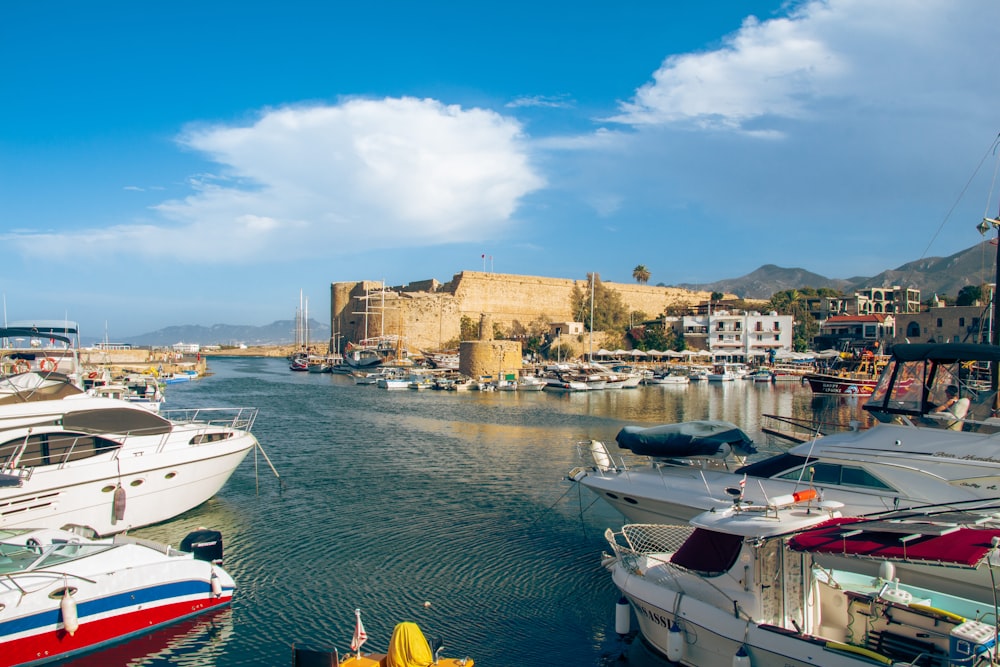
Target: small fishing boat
pixel 407 648
pixel 849 377
pixel 63 593
pixel 531 383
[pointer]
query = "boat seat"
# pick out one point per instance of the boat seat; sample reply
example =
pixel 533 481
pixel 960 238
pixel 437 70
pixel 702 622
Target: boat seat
pixel 306 655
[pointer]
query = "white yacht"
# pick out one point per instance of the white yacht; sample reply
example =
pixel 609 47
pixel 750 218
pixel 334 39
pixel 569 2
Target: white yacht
pixel 111 464
pixel 917 457
pixel 749 585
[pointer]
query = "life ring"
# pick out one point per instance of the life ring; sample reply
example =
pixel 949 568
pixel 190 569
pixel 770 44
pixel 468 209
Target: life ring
pixel 92 374
pixel 48 365
pixel 20 366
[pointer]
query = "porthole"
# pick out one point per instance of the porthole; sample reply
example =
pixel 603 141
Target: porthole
pixel 611 495
pixel 60 593
pixel 631 501
pixel 107 489
pixel 170 475
pixel 136 482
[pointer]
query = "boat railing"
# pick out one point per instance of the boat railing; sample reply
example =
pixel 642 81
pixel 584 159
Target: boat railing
pixel 235 418
pixel 165 549
pixel 646 550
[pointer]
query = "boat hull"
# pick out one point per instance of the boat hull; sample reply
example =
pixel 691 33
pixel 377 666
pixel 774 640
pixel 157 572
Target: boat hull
pixel 141 595
pixel 832 384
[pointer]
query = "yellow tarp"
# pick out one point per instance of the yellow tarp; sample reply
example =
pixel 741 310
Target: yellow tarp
pixel 408 648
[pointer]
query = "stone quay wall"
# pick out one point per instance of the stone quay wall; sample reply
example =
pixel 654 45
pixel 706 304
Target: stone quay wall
pixel 428 314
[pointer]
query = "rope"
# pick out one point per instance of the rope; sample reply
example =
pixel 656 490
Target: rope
pixel 992 149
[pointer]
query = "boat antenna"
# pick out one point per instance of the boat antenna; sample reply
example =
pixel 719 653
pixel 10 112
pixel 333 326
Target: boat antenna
pixel 983 227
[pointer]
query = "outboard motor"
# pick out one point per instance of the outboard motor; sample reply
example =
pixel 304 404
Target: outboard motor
pixel 205 544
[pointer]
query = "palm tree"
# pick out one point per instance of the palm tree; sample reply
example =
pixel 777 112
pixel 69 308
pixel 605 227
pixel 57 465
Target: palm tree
pixel 641 274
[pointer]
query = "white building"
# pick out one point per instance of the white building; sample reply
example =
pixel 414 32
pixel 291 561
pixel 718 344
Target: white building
pixel 740 337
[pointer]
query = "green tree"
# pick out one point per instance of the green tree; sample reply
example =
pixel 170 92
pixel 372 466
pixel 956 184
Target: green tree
pixel 641 274
pixel 610 312
pixel 560 352
pixel 970 295
pixel 469 328
pixel 653 337
pixel 795 302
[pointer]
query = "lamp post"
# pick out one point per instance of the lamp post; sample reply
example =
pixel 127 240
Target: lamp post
pixel 984 227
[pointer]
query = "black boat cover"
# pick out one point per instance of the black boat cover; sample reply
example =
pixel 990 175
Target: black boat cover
pixel 708 438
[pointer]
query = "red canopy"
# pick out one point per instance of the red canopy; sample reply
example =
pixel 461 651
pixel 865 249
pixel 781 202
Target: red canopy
pixel 923 541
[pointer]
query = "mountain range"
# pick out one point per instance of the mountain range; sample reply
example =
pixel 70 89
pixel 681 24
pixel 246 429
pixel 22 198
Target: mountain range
pixel 943 276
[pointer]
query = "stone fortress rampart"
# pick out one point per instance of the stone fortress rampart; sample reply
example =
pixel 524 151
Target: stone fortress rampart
pixel 427 314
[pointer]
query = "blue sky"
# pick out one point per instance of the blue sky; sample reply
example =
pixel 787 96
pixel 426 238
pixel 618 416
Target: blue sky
pixel 181 162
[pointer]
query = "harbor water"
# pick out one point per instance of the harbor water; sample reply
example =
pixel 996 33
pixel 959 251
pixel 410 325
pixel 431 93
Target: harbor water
pixel 450 509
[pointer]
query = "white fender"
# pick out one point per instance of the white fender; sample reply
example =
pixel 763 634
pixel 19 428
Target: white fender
pixel 118 504
pixel 600 455
pixel 742 658
pixel 622 617
pixel 675 643
pixel 216 584
pixel 69 616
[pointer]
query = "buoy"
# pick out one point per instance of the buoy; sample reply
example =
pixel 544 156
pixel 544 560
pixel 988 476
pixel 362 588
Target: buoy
pixel 675 643
pixel 216 584
pixel 71 622
pixel 622 616
pixel 119 504
pixel 742 658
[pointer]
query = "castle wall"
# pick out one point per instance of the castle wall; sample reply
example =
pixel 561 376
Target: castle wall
pixel 429 318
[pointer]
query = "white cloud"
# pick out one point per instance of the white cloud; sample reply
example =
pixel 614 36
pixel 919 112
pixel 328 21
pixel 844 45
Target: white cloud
pixel 312 181
pixel 544 101
pixel 826 56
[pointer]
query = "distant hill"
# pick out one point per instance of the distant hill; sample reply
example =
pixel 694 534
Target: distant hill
pixel 944 276
pixel 767 280
pixel 281 332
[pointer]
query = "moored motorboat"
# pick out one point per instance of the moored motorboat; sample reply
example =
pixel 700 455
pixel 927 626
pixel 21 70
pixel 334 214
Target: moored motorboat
pixel 917 457
pixel 850 377
pixel 63 593
pixel 745 587
pixel 40 360
pixel 113 465
pixel 530 383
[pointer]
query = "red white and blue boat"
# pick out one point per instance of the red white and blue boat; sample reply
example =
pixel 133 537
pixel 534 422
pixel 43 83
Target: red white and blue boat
pixel 63 593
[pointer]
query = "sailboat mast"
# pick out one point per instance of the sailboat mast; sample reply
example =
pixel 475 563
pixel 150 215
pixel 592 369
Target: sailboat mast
pixel 590 352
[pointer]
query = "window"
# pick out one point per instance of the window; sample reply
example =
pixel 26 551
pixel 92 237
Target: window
pixel 940 322
pixel 961 321
pixel 837 475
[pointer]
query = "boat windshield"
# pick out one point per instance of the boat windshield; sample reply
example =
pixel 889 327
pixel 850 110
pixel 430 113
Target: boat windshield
pixel 28 556
pixel 922 387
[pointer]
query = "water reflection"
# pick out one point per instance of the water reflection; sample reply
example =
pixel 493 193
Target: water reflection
pixel 194 642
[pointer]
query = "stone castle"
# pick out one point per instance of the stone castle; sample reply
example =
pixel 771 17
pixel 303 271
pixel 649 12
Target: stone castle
pixel 428 314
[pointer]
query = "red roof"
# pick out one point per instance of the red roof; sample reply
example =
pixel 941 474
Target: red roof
pixel 880 318
pixel 924 541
